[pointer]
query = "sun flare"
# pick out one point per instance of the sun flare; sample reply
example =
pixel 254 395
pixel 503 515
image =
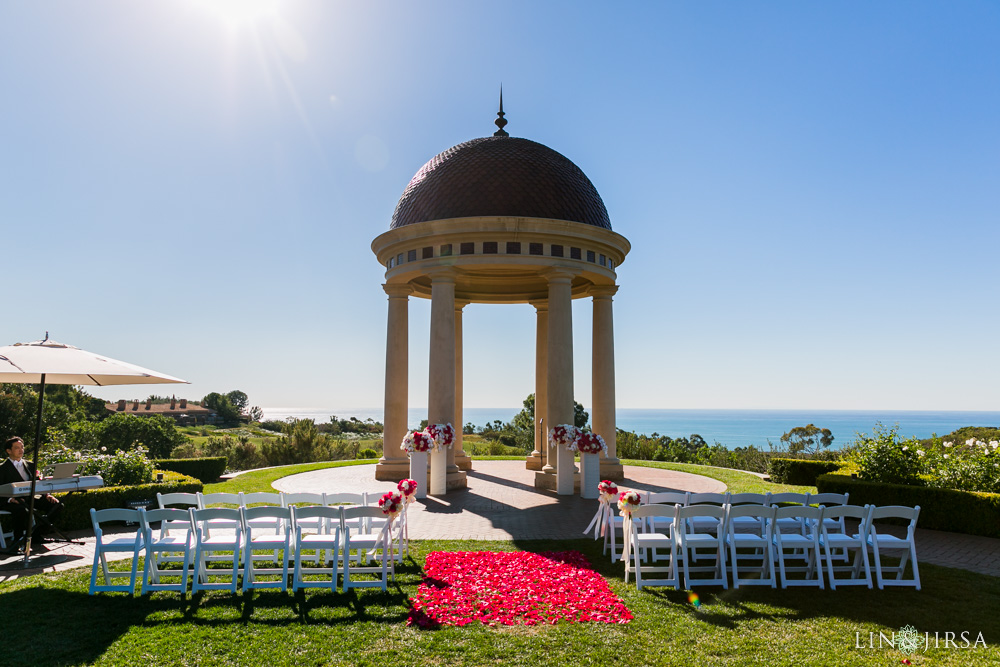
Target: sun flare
pixel 239 11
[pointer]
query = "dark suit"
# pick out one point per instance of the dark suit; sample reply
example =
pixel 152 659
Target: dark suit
pixel 19 508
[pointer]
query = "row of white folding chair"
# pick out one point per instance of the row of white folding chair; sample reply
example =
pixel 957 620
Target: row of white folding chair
pixel 250 529
pixel 777 542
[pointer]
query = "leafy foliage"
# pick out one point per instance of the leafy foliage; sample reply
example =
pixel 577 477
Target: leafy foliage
pixel 808 438
pixel 119 468
pixel 159 434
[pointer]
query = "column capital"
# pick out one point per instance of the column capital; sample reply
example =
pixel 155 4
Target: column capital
pixel 603 291
pixel 540 304
pixel 558 274
pixel 397 290
pixel 444 274
pixel 460 304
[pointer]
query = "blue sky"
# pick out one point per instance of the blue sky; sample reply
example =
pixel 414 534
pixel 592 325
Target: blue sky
pixel 810 190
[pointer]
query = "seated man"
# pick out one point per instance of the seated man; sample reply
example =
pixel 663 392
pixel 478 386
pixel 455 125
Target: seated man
pixel 17 469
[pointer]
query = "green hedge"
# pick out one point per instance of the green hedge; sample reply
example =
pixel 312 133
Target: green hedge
pixel 76 513
pixel 966 512
pixel 800 472
pixel 208 469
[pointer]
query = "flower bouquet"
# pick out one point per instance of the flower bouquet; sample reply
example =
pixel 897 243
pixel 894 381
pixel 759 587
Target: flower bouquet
pixel 442 435
pixel 417 441
pixel 628 501
pixel 588 443
pixel 608 491
pixel 564 435
pixel 407 487
pixel 391 504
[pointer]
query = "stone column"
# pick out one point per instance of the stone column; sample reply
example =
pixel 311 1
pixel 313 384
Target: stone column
pixel 559 409
pixel 457 456
pixel 537 460
pixel 603 378
pixel 394 464
pixel 441 378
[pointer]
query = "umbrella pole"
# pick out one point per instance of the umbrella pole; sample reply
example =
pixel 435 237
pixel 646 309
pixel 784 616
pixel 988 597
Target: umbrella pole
pixel 34 476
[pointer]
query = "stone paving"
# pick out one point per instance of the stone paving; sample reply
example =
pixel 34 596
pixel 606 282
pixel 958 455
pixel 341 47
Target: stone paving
pixel 501 503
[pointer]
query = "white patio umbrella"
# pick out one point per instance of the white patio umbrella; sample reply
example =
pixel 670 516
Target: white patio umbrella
pixel 48 362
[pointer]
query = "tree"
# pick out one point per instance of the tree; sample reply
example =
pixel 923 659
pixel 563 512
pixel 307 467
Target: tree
pixel 157 433
pixel 227 412
pixel 525 419
pixel 239 400
pixel 808 438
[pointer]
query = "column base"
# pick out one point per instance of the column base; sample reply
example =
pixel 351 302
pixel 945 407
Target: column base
pixel 392 470
pixel 547 481
pixel 457 480
pixel 533 461
pixel 612 470
pixel 463 461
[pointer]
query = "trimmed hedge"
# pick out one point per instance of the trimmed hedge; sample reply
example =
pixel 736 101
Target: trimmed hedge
pixel 76 513
pixel 966 512
pixel 208 469
pixel 801 472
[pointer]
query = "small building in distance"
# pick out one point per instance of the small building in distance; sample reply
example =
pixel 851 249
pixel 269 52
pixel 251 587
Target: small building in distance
pixel 178 409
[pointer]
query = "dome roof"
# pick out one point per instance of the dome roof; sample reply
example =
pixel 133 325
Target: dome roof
pixel 500 176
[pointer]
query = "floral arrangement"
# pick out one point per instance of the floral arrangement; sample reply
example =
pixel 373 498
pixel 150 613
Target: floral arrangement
pixel 407 487
pixel 589 443
pixel 391 504
pixel 512 588
pixel 628 501
pixel 443 435
pixel 564 435
pixel 608 491
pixel 418 441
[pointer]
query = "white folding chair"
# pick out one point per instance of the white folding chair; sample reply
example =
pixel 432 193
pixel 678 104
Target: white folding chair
pixel 613 526
pixel 308 524
pixel 882 540
pixel 130 542
pixel 747 522
pixel 4 536
pixel 359 545
pixel 182 501
pixel 789 524
pixel 834 539
pixel 804 546
pixel 175 540
pixel 702 524
pixel 662 524
pixel 832 525
pixel 691 537
pixel 748 527
pixel 225 541
pixel 646 545
pixel 317 529
pixel 266 528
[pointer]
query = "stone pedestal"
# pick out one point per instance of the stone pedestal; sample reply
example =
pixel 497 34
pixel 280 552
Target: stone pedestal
pixel 418 472
pixel 590 475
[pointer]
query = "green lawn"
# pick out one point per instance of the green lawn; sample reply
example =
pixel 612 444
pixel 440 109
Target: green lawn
pixel 747 627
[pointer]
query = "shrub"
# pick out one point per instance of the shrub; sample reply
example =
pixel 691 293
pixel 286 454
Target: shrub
pixel 883 457
pixel 974 466
pixel 207 469
pixel 368 453
pixel 940 509
pixel 76 514
pixel 157 433
pixel 119 468
pixel 801 472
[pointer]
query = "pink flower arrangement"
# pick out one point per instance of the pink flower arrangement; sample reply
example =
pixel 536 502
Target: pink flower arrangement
pixel 564 435
pixel 391 503
pixel 407 487
pixel 608 491
pixel 513 588
pixel 443 435
pixel 628 501
pixel 418 441
pixel 589 443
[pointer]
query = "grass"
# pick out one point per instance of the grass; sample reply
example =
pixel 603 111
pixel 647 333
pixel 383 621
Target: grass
pixel 745 627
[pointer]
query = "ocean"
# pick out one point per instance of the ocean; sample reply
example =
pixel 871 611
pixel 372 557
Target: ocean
pixel 732 428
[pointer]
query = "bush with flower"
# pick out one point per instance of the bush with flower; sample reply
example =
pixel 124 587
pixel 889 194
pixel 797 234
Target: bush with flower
pixel 125 467
pixel 391 504
pixel 972 466
pixel 407 487
pixel 417 441
pixel 564 435
pixel 884 457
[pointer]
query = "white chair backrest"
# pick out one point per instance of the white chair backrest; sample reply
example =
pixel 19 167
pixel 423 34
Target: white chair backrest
pixel 788 498
pixel 848 512
pixel 302 498
pixel 200 516
pixel 329 517
pixel 345 498
pixel 711 511
pixel 896 512
pixel 708 499
pixel 207 499
pixel 365 513
pixel 666 498
pixel 185 500
pixel 261 498
pixel 656 509
pixel 748 499
pixel 814 514
pixel 97 517
pixel 828 499
pixel 756 511
pixel 173 515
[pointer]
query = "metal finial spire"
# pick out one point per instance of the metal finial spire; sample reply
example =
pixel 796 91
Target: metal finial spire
pixel 500 122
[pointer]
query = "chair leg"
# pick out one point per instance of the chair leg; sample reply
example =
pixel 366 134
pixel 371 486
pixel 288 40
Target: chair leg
pixel 878 565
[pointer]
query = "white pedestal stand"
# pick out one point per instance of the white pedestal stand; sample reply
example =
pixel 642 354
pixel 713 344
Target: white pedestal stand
pixel 418 472
pixel 590 475
pixel 439 472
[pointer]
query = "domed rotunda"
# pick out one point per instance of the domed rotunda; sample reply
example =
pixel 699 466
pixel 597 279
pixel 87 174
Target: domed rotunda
pixel 500 219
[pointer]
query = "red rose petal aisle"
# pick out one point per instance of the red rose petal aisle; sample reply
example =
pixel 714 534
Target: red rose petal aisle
pixel 513 588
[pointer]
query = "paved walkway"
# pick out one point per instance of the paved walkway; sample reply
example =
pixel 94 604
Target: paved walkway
pixel 501 503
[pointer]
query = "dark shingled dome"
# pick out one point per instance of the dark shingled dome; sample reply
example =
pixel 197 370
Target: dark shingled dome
pixel 500 176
